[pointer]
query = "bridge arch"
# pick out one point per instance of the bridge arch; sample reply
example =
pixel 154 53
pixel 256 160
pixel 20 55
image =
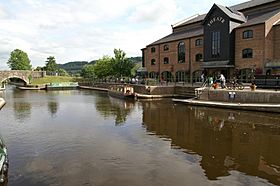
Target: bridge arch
pixel 24 75
pixel 17 77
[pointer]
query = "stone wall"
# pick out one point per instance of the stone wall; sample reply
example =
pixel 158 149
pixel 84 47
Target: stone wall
pixel 154 90
pixel 241 96
pixel 21 74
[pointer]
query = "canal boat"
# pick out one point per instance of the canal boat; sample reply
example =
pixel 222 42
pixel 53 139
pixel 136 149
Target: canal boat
pixel 121 91
pixel 4 162
pixel 62 86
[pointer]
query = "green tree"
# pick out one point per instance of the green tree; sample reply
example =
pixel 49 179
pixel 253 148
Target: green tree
pixel 51 65
pixel 88 71
pixel 19 60
pixel 121 64
pixel 135 68
pixel 39 68
pixel 103 67
pixel 62 72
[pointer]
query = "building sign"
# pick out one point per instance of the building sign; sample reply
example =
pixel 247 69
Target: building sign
pixel 216 19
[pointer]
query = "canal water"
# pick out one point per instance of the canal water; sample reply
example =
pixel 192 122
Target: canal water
pixel 86 138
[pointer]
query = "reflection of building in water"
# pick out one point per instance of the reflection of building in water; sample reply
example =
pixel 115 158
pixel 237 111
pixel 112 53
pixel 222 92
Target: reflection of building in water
pixel 117 108
pixel 226 141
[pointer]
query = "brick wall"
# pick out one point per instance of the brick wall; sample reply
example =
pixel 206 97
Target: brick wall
pixel 150 56
pixel 256 43
pixel 196 50
pixel 276 41
pixel 172 54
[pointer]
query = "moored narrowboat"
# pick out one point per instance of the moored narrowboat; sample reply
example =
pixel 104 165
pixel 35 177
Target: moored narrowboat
pixel 121 91
pixel 4 162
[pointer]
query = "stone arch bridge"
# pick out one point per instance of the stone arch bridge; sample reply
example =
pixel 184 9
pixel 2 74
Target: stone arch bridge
pixel 20 74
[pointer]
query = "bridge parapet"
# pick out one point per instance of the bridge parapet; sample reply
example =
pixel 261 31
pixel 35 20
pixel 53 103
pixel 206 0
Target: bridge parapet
pixel 21 74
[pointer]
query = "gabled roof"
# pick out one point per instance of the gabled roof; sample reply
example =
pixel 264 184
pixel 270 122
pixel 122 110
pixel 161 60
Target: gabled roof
pixel 260 19
pixel 250 4
pixel 232 14
pixel 179 35
pixel 238 7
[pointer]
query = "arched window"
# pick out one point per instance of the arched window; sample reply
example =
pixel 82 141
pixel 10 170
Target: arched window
pixel 165 47
pixel 181 76
pixel 247 53
pixel 198 42
pixel 198 58
pixel 216 44
pixel 248 34
pixel 167 76
pixel 152 75
pixel 153 49
pixel 181 52
pixel 153 62
pixel 166 60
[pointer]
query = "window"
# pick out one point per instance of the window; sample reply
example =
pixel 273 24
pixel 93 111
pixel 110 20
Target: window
pixel 247 53
pixel 153 49
pixel 152 75
pixel 166 60
pixel 248 34
pixel 216 44
pixel 198 58
pixel 198 42
pixel 165 47
pixel 181 76
pixel 153 62
pixel 181 52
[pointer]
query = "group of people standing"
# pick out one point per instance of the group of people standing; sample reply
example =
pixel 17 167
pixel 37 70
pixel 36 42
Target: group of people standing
pixel 211 80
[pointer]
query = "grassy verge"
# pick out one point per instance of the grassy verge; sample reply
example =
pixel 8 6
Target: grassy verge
pixel 53 79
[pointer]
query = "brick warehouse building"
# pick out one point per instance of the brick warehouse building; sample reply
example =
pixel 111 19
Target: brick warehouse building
pixel 241 40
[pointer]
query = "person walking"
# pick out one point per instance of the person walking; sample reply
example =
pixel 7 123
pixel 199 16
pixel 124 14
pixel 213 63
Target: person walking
pixel 223 81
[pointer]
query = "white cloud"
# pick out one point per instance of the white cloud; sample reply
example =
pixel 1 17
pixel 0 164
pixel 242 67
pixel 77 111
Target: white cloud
pixel 156 11
pixel 85 29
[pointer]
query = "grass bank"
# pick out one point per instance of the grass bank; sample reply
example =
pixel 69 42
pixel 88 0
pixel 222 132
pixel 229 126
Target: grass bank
pixel 53 79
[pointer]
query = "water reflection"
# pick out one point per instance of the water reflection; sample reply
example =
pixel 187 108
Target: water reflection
pixel 52 107
pixel 226 140
pixel 114 107
pixel 22 108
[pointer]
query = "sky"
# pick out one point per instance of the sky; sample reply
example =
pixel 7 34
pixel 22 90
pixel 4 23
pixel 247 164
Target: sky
pixel 85 30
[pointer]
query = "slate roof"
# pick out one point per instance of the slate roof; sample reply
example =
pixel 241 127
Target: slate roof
pixel 232 12
pixel 194 20
pixel 237 7
pixel 260 19
pixel 179 35
pixel 250 4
